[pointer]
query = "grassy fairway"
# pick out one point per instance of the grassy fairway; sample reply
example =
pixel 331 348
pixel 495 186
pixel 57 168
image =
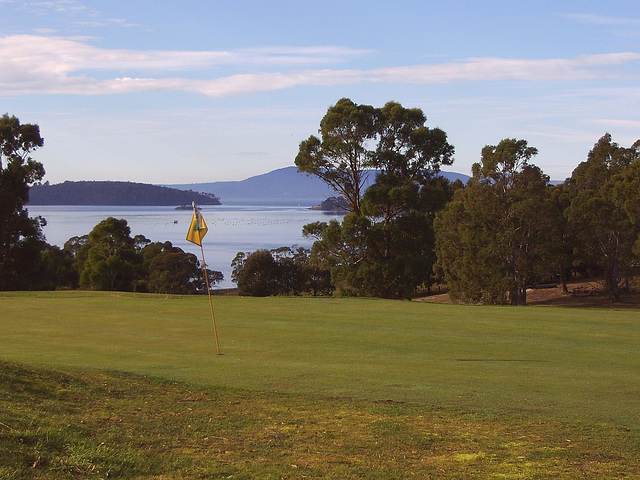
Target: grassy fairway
pixel 573 363
pixel 540 373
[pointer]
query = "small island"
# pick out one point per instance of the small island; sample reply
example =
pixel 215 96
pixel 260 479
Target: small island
pixel 333 204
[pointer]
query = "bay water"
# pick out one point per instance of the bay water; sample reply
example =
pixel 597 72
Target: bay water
pixel 232 229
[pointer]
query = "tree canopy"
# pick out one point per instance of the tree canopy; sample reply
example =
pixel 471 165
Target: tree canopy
pixel 341 156
pixel 108 258
pixel 603 210
pixel 280 271
pixel 21 240
pixel 493 239
pixel 488 241
pixel 384 246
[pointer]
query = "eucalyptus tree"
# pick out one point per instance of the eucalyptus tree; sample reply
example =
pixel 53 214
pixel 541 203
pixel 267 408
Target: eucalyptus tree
pixel 493 240
pixel 169 269
pixel 603 210
pixel 384 247
pixel 341 156
pixel 21 239
pixel 108 259
pixel 255 273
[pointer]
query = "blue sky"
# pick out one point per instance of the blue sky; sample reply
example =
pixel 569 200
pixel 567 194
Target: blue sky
pixel 194 91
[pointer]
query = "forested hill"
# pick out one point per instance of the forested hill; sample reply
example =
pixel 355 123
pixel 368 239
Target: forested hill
pixel 115 193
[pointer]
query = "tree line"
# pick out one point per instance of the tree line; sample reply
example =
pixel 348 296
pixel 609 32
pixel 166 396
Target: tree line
pixel 487 241
pixel 507 229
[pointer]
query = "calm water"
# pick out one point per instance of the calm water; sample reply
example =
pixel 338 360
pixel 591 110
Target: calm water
pixel 232 229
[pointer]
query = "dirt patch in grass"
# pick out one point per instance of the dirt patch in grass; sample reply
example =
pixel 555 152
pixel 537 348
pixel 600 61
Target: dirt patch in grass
pixel 583 294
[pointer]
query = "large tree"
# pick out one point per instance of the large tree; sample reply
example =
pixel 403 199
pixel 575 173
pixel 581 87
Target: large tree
pixel 493 240
pixel 256 273
pixel 341 156
pixel 169 269
pixel 604 197
pixel 384 246
pixel 21 240
pixel 110 258
pixel 280 271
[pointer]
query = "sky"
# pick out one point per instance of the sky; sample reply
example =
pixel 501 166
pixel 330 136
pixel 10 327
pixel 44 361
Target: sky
pixel 202 91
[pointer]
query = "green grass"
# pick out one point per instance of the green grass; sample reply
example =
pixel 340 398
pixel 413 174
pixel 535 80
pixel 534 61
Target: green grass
pixel 340 388
pixel 94 424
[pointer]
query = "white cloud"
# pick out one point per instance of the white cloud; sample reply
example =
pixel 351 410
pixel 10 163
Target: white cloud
pixel 107 22
pixel 56 65
pixel 61 6
pixel 593 19
pixel 491 68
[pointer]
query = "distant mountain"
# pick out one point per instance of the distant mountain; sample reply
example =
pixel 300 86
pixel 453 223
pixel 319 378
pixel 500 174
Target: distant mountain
pixel 285 186
pixel 115 193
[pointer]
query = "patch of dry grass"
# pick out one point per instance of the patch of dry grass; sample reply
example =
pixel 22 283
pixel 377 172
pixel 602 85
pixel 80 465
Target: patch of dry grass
pixel 91 424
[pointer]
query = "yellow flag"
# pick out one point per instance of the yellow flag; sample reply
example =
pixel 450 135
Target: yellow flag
pixel 198 229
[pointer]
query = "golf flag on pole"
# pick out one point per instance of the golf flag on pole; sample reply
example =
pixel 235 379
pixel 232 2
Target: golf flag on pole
pixel 198 228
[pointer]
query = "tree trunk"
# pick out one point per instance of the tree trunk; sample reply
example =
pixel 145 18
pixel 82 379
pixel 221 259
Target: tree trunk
pixel 518 296
pixel 563 280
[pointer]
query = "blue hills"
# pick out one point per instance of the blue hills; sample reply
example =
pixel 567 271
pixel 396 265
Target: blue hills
pixel 284 186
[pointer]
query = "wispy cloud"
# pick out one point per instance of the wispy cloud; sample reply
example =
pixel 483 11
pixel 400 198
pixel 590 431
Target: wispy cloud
pixel 67 55
pixel 59 6
pixel 76 11
pixel 56 65
pixel 107 22
pixel 627 124
pixel 593 19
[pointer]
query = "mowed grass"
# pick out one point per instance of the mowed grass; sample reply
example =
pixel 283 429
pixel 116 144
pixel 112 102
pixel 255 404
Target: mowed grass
pixel 315 388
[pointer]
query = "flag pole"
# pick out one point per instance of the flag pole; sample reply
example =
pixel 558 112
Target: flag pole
pixel 206 278
pixel 213 315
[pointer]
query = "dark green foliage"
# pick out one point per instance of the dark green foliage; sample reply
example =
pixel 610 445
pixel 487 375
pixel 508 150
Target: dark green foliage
pixel 384 247
pixel 341 157
pixel 21 240
pixel 603 211
pixel 110 259
pixel 506 231
pixel 281 271
pixel 256 274
pixel 56 269
pixel 494 239
pixel 27 261
pixel 563 236
pixel 170 269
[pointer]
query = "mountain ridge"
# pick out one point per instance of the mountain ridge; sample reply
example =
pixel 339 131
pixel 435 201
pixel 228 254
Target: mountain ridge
pixel 283 186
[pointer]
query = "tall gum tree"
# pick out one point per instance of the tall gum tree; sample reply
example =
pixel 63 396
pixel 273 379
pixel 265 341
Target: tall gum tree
pixel 21 237
pixel 493 240
pixel 603 199
pixel 341 156
pixel 109 259
pixel 384 247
